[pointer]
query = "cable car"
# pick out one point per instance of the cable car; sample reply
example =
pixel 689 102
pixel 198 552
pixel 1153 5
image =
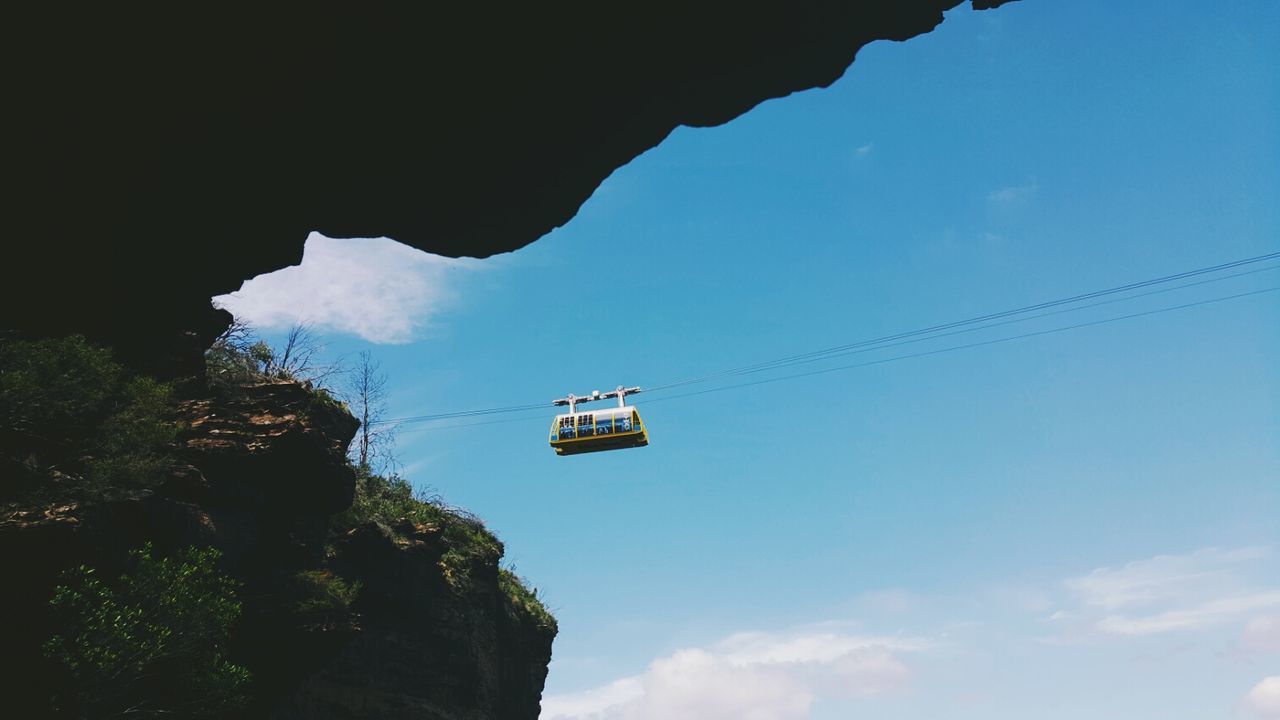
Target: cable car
pixel 616 428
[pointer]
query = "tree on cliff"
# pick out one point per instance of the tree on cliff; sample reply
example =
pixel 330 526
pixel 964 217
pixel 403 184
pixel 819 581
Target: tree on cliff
pixel 367 390
pixel 151 644
pixel 75 424
pixel 238 357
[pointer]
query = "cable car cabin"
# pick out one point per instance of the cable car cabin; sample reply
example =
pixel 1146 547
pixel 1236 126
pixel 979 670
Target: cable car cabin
pixel 596 430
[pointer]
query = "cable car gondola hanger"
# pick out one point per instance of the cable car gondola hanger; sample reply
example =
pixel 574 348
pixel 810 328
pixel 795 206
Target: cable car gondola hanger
pixel 574 433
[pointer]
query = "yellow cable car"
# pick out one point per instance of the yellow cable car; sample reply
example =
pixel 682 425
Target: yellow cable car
pixel 617 428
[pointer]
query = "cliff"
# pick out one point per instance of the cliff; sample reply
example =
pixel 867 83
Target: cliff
pixel 431 627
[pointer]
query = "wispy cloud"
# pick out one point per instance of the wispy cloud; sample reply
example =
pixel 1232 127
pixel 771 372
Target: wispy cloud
pixel 1210 613
pixel 1264 699
pixel 378 289
pixel 1011 195
pixel 1162 577
pixel 1168 593
pixel 865 150
pixel 748 676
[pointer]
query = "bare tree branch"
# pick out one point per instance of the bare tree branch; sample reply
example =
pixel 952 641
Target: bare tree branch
pixel 367 389
pixel 298 359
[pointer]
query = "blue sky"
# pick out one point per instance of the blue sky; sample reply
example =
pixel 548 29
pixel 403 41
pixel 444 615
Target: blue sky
pixel 1074 525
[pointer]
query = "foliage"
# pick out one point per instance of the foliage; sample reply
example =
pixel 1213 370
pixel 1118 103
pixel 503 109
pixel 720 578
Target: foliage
pixel 153 645
pixel 55 388
pixel 322 592
pixel 238 358
pixel 65 405
pixel 230 361
pixel 519 595
pixel 132 447
pixel 324 398
pixel 390 501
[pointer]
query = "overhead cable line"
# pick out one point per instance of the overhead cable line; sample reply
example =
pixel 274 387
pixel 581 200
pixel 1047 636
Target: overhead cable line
pixel 974 320
pixel 870 347
pixel 967 346
pixel 918 335
pixel 898 358
pixel 462 413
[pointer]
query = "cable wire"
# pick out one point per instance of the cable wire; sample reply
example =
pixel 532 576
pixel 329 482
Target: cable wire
pixel 972 324
pixel 909 356
pixel 867 347
pixel 975 320
pixel 967 346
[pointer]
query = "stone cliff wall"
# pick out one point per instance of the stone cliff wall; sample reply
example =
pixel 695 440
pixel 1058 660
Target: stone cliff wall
pixel 262 470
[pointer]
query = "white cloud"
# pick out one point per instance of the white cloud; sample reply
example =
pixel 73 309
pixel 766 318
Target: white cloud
pixel 378 289
pixel 1211 613
pixel 748 676
pixel 697 685
pixel 594 703
pixel 1264 698
pixel 865 149
pixel 1169 593
pixel 1013 194
pixel 1163 577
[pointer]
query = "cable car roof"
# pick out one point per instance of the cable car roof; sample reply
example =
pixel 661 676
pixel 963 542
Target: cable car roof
pixel 607 411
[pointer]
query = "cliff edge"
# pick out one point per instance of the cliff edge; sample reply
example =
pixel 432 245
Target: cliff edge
pixel 358 599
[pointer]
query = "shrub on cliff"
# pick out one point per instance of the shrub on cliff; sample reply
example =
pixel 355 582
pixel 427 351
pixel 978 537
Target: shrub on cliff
pixel 151 644
pixel 320 592
pixel 67 410
pixel 389 501
pixel 54 390
pixel 230 362
pixel 237 358
pixel 524 598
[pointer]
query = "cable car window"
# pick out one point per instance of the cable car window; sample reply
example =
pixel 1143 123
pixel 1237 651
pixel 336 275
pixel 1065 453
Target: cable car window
pixel 604 424
pixel 566 427
pixel 585 426
pixel 624 424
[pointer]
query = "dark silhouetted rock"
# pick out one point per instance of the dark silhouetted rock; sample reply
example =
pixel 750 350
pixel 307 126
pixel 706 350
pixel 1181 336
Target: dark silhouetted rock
pixel 263 469
pixel 159 155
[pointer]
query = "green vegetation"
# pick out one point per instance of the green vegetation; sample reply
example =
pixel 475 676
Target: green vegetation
pixel 133 446
pixel 152 645
pixel 320 592
pixel 69 411
pixel 75 425
pixel 55 389
pixel 521 596
pixel 237 358
pixel 391 501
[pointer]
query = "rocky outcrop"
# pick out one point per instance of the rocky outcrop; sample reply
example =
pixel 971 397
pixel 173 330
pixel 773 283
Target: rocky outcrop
pixel 424 649
pixel 275 448
pixel 160 158
pixel 262 470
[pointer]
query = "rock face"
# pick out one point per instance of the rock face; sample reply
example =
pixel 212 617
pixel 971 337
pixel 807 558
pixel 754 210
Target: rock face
pixel 276 448
pixel 423 652
pixel 161 158
pixel 263 470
